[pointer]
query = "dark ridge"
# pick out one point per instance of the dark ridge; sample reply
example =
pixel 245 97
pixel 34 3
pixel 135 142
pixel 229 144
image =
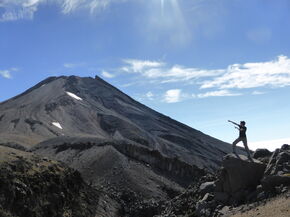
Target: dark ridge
pixel 184 173
pixel 173 168
pixel 14 145
pixel 46 81
pixel 1 117
pixel 76 146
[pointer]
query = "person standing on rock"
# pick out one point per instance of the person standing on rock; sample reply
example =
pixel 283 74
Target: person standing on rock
pixel 242 137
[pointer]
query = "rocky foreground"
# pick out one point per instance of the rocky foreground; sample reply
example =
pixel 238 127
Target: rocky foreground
pixel 36 186
pixel 242 187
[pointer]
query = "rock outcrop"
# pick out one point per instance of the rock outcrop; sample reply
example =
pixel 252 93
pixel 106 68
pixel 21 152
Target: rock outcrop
pixel 37 187
pixel 278 169
pixel 240 184
pixel 237 177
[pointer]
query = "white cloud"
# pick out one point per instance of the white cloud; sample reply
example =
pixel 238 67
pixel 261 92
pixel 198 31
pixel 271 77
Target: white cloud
pixel 107 74
pixel 223 82
pixel 274 73
pixel 138 66
pixel 7 72
pixel 69 6
pixel 172 96
pixel 217 93
pixel 269 144
pixel 160 71
pixel 15 9
pixel 25 9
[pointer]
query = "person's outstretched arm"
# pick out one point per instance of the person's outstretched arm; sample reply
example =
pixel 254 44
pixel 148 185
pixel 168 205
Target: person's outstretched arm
pixel 233 122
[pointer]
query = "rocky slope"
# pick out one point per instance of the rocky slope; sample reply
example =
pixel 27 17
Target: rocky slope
pixel 38 187
pixel 127 172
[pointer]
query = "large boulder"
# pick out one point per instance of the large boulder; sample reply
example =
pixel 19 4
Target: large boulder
pixel 238 176
pixel 278 169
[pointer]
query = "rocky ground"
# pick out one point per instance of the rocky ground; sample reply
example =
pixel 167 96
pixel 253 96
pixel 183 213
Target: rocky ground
pixel 242 187
pixel 31 185
pixel 38 187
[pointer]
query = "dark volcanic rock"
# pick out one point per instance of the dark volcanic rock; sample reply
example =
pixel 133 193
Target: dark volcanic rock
pixel 260 153
pixel 237 187
pixel 130 173
pixel 278 169
pixel 36 187
pixel 239 173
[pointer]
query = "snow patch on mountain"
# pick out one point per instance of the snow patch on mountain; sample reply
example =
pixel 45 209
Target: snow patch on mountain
pixel 57 125
pixel 73 96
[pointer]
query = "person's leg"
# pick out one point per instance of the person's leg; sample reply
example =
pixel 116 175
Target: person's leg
pixel 235 143
pixel 245 142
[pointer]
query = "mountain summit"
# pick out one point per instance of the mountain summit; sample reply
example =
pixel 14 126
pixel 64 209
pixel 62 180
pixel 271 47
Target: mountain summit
pixel 90 107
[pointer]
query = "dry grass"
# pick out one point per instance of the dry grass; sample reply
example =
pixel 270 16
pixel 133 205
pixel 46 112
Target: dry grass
pixel 278 207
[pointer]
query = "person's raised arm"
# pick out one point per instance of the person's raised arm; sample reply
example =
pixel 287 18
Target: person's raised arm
pixel 233 122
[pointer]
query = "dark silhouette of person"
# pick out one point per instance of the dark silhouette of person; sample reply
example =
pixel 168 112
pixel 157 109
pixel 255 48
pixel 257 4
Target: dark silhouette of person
pixel 242 137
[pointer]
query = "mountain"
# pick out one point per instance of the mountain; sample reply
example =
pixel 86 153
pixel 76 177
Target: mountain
pixel 87 107
pixel 134 155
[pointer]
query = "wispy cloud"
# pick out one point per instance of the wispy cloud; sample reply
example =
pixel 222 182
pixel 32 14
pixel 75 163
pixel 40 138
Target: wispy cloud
pixel 257 92
pixel 222 82
pixel 150 95
pixel 25 9
pixel 72 65
pixel 217 93
pixel 139 66
pixel 7 73
pixel 107 74
pixel 274 73
pixel 166 74
pixel 15 10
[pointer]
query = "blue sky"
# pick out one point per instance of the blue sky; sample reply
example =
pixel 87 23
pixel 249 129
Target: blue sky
pixel 200 62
